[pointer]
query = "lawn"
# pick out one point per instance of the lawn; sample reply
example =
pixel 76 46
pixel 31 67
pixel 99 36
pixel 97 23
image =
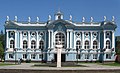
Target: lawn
pixel 112 64
pixel 5 64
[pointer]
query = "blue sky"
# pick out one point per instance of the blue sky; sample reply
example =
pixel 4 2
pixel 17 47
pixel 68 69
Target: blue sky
pixel 77 8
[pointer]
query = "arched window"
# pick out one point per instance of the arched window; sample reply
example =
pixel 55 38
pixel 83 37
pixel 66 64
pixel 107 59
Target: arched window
pixel 33 44
pixel 95 45
pixel 107 44
pixel 87 44
pixel 41 45
pixel 60 37
pixel 12 44
pixel 25 46
pixel 78 45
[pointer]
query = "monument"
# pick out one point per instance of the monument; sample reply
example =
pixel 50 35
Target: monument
pixel 59 49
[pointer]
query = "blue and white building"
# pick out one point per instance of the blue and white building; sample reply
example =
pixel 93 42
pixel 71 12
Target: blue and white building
pixel 81 41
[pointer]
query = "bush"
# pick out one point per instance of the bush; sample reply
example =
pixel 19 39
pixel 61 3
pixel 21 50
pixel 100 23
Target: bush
pixel 28 61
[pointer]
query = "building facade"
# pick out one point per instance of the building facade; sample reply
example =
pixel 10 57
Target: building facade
pixel 81 41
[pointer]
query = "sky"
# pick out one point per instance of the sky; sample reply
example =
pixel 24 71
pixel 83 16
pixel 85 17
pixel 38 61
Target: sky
pixel 77 8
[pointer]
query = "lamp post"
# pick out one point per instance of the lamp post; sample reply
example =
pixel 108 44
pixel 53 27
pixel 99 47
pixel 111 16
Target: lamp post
pixel 59 49
pixel 15 54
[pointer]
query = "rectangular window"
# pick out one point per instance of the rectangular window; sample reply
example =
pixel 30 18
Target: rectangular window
pixel 24 56
pixel 86 56
pixel 108 56
pixel 95 56
pixel 40 56
pixel 33 56
pixel 11 56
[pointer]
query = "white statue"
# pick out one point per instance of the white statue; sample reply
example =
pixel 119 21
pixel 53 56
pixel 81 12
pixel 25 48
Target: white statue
pixel 91 19
pixel 83 19
pixel 70 17
pixel 37 19
pixel 113 18
pixel 29 19
pixel 105 18
pixel 15 18
pixel 49 17
pixel 7 18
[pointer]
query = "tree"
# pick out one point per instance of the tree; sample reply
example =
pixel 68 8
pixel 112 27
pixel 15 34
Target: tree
pixel 1 51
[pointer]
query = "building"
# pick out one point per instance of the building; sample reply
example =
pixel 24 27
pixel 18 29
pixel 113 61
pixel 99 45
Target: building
pixel 81 41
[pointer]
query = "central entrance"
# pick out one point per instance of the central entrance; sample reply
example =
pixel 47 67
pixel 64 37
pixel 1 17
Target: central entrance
pixel 62 57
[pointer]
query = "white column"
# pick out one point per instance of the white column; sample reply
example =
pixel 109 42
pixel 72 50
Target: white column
pixel 29 42
pixel 104 39
pixel 15 39
pixel 91 40
pixel 113 40
pixel 74 41
pixel 83 40
pixel 45 40
pixel 49 39
pixel 99 40
pixel 37 45
pixel 71 38
pixel 67 39
pixel 7 42
pixel 52 39
pixel 21 41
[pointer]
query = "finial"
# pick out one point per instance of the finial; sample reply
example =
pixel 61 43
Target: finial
pixel 83 19
pixel 70 17
pixel 37 19
pixel 15 18
pixel 49 17
pixel 7 18
pixel 91 19
pixel 105 18
pixel 29 19
pixel 113 18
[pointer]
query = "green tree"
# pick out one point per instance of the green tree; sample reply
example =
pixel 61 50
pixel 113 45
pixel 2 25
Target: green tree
pixel 1 51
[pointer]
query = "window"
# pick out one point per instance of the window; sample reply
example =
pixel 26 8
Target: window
pixel 87 45
pixel 86 56
pixel 41 33
pixel 24 56
pixel 11 33
pixel 11 56
pixel 41 45
pixel 33 56
pixel 95 45
pixel 25 44
pixel 78 45
pixel 107 44
pixel 95 56
pixel 33 33
pixel 40 56
pixel 95 34
pixel 108 56
pixel 33 44
pixel 59 37
pixel 12 44
pixel 86 34
pixel 78 56
pixel 24 33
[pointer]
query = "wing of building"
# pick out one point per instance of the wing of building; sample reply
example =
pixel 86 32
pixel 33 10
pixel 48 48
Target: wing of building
pixel 81 41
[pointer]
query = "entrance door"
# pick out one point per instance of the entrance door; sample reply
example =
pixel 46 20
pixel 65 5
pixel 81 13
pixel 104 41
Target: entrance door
pixel 62 57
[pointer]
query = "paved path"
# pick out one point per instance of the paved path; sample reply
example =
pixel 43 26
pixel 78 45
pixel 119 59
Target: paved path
pixel 90 66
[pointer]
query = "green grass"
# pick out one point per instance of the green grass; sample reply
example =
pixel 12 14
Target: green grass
pixel 112 64
pixel 5 64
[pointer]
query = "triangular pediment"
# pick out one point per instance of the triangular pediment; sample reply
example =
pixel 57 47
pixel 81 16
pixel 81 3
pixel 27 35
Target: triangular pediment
pixel 55 22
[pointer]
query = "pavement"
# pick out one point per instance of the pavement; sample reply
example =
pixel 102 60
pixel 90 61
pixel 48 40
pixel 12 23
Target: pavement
pixel 88 66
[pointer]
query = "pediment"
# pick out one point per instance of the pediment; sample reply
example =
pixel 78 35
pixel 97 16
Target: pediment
pixel 66 23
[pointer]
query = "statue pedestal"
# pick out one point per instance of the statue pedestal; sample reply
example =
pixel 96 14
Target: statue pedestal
pixel 59 49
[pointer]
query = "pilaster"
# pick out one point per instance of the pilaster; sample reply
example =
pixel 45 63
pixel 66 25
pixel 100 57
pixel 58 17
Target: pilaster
pixel 104 39
pixel 37 45
pixel 83 40
pixel 67 39
pixel 91 40
pixel 15 39
pixel 113 39
pixel 29 42
pixel 21 40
